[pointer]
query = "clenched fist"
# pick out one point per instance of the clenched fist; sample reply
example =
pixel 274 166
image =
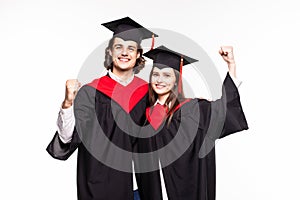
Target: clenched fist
pixel 72 87
pixel 227 54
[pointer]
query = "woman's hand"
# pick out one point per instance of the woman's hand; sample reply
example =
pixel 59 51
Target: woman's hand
pixel 227 54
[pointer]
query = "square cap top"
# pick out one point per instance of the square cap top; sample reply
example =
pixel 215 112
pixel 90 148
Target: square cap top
pixel 164 56
pixel 128 29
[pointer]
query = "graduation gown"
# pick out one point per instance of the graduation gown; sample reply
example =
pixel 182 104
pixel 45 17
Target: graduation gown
pixel 186 148
pixel 107 117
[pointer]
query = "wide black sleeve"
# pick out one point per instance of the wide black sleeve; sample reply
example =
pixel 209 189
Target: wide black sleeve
pixel 226 114
pixel 60 150
pixel 84 102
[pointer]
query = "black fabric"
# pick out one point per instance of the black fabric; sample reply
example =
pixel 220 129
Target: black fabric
pixel 95 180
pixel 128 29
pixel 198 123
pixel 162 56
pixel 190 177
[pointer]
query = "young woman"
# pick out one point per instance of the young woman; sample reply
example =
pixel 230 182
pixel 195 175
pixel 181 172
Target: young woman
pixel 183 131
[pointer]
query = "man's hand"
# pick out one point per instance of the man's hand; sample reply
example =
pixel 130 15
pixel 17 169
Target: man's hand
pixel 72 87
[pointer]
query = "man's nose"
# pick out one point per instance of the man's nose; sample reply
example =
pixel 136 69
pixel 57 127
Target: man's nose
pixel 124 52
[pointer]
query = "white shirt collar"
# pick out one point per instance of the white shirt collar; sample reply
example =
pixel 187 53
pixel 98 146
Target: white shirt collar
pixel 158 102
pixel 119 80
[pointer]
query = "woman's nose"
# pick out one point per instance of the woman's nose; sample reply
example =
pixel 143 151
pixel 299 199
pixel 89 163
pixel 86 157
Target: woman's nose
pixel 159 79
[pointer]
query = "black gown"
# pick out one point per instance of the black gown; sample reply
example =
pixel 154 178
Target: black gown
pixel 105 113
pixel 185 145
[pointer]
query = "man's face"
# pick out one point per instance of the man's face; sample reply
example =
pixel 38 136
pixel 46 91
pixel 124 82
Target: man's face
pixel 124 54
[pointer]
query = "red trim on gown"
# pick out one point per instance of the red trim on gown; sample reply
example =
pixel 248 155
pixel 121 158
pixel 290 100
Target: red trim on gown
pixel 159 113
pixel 126 96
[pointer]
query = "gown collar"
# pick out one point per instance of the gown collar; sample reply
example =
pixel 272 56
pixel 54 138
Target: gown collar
pixel 119 80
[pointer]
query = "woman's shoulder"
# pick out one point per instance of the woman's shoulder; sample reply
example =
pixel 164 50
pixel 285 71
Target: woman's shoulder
pixel 201 101
pixel 191 102
pixel 198 105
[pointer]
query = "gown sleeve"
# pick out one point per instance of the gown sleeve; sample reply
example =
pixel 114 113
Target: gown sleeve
pixel 57 148
pixel 226 114
pixel 60 150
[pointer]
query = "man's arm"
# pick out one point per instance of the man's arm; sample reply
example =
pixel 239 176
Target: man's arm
pixel 66 140
pixel 66 119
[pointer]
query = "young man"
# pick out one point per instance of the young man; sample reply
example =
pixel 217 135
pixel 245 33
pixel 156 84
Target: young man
pixel 106 111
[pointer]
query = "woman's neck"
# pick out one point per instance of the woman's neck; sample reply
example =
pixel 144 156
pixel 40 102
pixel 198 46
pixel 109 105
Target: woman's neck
pixel 163 98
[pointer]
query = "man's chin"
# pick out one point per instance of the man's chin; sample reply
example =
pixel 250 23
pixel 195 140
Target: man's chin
pixel 124 67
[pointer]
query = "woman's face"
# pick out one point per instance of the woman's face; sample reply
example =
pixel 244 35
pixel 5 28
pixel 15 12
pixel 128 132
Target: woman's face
pixel 163 80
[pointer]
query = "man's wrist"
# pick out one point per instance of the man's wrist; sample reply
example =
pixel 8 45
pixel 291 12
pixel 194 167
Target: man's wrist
pixel 66 104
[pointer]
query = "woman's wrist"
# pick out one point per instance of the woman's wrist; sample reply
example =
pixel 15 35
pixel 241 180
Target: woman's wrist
pixel 232 68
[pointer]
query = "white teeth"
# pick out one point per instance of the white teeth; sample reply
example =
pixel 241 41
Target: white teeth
pixel 160 86
pixel 124 59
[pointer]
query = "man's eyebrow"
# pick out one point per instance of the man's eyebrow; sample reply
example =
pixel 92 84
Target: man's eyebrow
pixel 132 46
pixel 118 45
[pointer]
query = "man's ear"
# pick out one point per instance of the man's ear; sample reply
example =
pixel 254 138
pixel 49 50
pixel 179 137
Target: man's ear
pixel 138 55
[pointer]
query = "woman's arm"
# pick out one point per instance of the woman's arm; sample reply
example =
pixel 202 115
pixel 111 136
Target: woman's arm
pixel 227 54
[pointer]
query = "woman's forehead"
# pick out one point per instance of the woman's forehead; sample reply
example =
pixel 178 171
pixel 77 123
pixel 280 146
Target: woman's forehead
pixel 163 69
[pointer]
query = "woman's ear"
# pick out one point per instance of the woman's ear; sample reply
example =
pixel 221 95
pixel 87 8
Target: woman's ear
pixel 109 51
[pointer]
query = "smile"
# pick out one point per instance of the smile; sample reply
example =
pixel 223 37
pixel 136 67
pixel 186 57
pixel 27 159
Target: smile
pixel 124 59
pixel 159 86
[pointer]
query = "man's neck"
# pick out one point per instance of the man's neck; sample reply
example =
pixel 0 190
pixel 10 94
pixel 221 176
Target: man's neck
pixel 123 80
pixel 123 75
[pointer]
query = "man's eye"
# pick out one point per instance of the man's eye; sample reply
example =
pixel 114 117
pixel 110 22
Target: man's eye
pixel 118 47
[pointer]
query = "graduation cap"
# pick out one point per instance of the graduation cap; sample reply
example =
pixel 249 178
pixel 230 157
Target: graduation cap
pixel 164 57
pixel 128 29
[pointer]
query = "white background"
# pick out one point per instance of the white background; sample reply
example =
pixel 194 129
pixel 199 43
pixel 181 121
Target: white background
pixel 44 43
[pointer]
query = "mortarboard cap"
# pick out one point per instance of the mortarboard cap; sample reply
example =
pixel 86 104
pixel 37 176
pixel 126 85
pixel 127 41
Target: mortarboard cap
pixel 162 56
pixel 128 29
